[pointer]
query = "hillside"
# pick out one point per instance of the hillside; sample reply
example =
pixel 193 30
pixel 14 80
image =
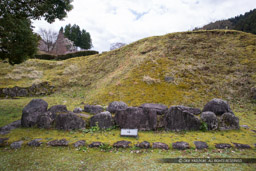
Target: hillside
pixel 201 64
pixel 246 23
pixel 188 68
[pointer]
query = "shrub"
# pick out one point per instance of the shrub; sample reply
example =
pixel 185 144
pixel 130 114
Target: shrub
pixel 45 57
pixel 76 54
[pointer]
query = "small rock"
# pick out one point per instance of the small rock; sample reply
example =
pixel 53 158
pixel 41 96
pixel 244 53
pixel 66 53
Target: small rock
pixel 115 106
pixel 79 143
pixel 122 144
pixel 143 144
pixel 3 141
pixel 223 146
pixel 78 110
pixel 35 143
pixel 245 126
pixel 180 145
pixel 62 142
pixel 16 144
pixel 94 109
pixel 168 79
pixel 217 106
pixel 200 145
pixel 253 93
pixel 95 144
pixel 160 145
pixel 241 146
pixel 7 128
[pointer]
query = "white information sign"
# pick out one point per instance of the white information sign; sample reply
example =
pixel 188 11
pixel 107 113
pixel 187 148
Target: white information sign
pixel 129 132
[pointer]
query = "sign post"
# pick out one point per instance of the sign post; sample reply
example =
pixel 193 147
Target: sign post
pixel 129 132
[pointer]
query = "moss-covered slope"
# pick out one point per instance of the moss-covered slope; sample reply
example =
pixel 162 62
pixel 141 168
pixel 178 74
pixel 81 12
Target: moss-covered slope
pixel 202 64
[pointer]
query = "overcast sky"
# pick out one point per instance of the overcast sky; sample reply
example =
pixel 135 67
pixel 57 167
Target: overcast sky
pixel 110 21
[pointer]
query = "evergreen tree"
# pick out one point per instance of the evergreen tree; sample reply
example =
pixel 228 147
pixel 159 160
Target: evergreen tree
pixel 80 38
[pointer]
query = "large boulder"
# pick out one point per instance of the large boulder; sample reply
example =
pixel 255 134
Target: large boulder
pixel 210 119
pixel 31 111
pixel 115 106
pixel 217 106
pixel 159 108
pixel 229 121
pixel 104 120
pixel 94 109
pixel 178 119
pixel 69 121
pixel 46 120
pixel 57 109
pixel 134 117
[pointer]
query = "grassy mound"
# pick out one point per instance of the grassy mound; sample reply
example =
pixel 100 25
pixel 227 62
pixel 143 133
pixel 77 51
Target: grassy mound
pixel 188 68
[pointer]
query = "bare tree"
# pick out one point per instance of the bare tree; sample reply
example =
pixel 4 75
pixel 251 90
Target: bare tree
pixel 116 45
pixel 49 37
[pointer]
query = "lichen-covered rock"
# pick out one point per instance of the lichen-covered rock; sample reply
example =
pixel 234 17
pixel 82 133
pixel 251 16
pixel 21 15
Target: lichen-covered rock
pixel 223 146
pixel 159 145
pixel 122 144
pixel 210 119
pixel 229 121
pixel 57 109
pixel 79 143
pixel 143 144
pixel 178 119
pixel 46 120
pixel 103 119
pixel 3 142
pixel 78 110
pixel 115 106
pixel 159 108
pixel 7 128
pixel 94 109
pixel 69 121
pixel 200 145
pixel 35 143
pixel 31 111
pixel 16 144
pixel 241 146
pixel 136 118
pixel 95 144
pixel 62 142
pixel 217 106
pixel 180 145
